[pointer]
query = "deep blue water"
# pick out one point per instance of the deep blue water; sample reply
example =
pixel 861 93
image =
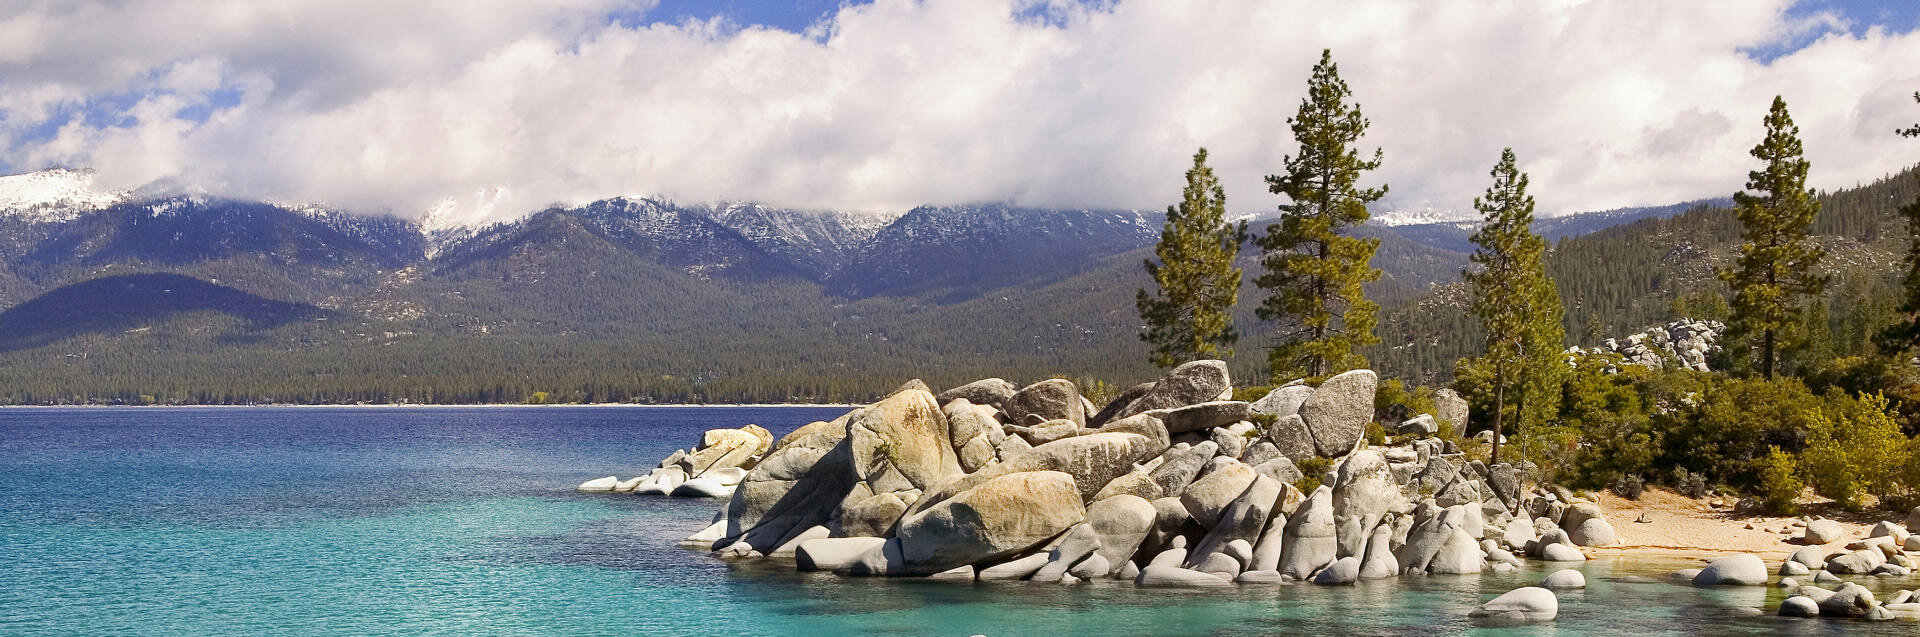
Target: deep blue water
pixel 457 521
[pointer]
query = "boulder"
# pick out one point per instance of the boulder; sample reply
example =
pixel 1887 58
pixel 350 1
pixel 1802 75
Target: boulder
pixel 1015 569
pixel 872 516
pixel 1138 483
pixel 798 485
pixel 1272 542
pixel 1341 572
pixel 1888 529
pixel 901 443
pixel 1283 402
pixel 1450 407
pixel 1822 532
pixel 833 553
pixel 1200 416
pixel 1045 432
pixel 1421 425
pixel 1182 466
pixel 988 391
pixel 1190 383
pixel 1290 436
pixel 721 448
pixel 1362 494
pixel 1143 424
pixel 1564 578
pixel 1791 567
pixel 1799 606
pixel 1744 569
pixel 792 546
pixel 1520 606
pixel 1095 566
pixel 1174 576
pixel 1092 460
pixel 1339 410
pixel 1859 562
pixel 1209 496
pixel 1077 544
pixel 1814 557
pixel 1003 516
pixel 1310 542
pixel 1280 469
pixel 1112 411
pixel 1592 532
pixel 960 574
pixel 1562 553
pixel 1380 563
pixel 1217 564
pixel 1848 600
pixel 1234 439
pixel 702 488
pixel 599 485
pixel 1054 399
pixel 1505 482
pixel 1242 520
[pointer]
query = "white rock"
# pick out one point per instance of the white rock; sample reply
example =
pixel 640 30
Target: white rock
pixel 1745 569
pixel 627 486
pixel 1521 605
pixel 832 553
pixel 1822 532
pixel 1566 578
pixel 702 488
pixel 1562 553
pixel 599 485
pixel 1175 576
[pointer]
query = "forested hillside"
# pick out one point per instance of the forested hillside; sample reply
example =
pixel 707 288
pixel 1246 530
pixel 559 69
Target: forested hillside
pixel 1625 278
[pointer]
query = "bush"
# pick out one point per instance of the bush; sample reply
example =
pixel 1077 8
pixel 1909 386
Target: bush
pixel 1690 484
pixel 1252 394
pixel 1629 486
pixel 1855 449
pixel 1311 469
pixel 1722 427
pixel 1779 483
pixel 1394 403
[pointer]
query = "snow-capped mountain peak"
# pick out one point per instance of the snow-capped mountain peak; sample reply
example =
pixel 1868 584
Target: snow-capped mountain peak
pixel 1421 215
pixel 53 195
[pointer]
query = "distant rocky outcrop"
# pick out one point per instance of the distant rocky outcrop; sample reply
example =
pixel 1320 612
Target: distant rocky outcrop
pixel 1172 484
pixel 712 469
pixel 1686 342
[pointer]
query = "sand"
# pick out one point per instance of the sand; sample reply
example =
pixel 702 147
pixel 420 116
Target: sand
pixel 1684 526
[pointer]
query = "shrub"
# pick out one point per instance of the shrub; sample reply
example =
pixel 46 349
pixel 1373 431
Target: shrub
pixel 1721 428
pixel 1629 486
pixel 1687 483
pixel 1779 483
pixel 1311 469
pixel 1252 394
pixel 1855 448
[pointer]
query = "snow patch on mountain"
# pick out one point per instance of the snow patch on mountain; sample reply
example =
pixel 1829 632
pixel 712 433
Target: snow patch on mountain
pixel 53 195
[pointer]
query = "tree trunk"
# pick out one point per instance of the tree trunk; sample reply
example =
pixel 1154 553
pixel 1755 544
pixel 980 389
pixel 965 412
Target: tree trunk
pixel 1499 406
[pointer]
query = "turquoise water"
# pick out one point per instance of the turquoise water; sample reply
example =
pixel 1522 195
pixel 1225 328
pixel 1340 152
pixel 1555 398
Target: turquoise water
pixel 445 521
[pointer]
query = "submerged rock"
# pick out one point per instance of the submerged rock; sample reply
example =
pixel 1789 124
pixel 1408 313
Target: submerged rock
pixel 1530 604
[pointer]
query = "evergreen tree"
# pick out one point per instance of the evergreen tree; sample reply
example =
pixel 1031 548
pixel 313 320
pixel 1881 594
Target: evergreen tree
pixel 1776 263
pixel 1903 336
pixel 1313 274
pixel 1515 301
pixel 1192 316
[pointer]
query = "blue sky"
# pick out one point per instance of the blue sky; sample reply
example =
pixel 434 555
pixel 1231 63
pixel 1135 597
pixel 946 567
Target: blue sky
pixel 497 107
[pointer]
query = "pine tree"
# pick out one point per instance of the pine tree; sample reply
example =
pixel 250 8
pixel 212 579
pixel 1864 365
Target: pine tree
pixel 1191 318
pixel 1314 276
pixel 1514 299
pixel 1775 267
pixel 1903 336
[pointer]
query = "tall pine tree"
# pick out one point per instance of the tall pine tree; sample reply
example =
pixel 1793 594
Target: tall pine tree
pixel 1314 275
pixel 1776 264
pixel 1192 316
pixel 1515 300
pixel 1901 338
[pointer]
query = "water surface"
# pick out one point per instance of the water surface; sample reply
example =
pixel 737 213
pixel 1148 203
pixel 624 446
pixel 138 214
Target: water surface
pixel 453 521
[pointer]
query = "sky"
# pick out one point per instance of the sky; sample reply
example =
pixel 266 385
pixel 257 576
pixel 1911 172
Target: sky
pixel 477 110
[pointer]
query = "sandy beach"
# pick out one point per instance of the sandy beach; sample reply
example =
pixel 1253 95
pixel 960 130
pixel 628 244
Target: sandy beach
pixel 1685 526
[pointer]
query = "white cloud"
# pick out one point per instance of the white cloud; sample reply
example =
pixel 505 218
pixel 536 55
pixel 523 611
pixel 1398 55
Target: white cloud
pixel 401 106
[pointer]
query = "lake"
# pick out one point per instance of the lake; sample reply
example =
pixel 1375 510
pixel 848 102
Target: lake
pixel 455 521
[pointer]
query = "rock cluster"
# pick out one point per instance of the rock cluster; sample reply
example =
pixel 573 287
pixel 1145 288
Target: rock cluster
pixel 1685 342
pixel 1171 484
pixel 712 469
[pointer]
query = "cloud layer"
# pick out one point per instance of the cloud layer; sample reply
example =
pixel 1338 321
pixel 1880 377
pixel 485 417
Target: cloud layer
pixel 502 107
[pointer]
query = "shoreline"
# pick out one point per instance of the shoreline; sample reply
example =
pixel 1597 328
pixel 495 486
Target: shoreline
pixel 431 406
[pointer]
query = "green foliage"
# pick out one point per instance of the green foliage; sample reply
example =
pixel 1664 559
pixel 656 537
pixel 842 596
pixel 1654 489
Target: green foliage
pixel 1902 338
pixel 1855 449
pixel 1394 402
pixel 539 398
pixel 1717 427
pixel 1315 274
pixel 1780 483
pixel 1252 393
pixel 1311 470
pixel 1518 307
pixel 1776 265
pixel 1191 316
pixel 1097 391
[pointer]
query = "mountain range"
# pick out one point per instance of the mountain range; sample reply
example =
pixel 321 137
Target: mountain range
pixel 129 298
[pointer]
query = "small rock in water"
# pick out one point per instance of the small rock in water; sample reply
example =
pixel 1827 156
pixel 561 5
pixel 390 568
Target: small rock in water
pixel 1799 606
pixel 1745 569
pixel 1565 578
pixel 1520 606
pixel 1824 577
pixel 1791 567
pixel 599 485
